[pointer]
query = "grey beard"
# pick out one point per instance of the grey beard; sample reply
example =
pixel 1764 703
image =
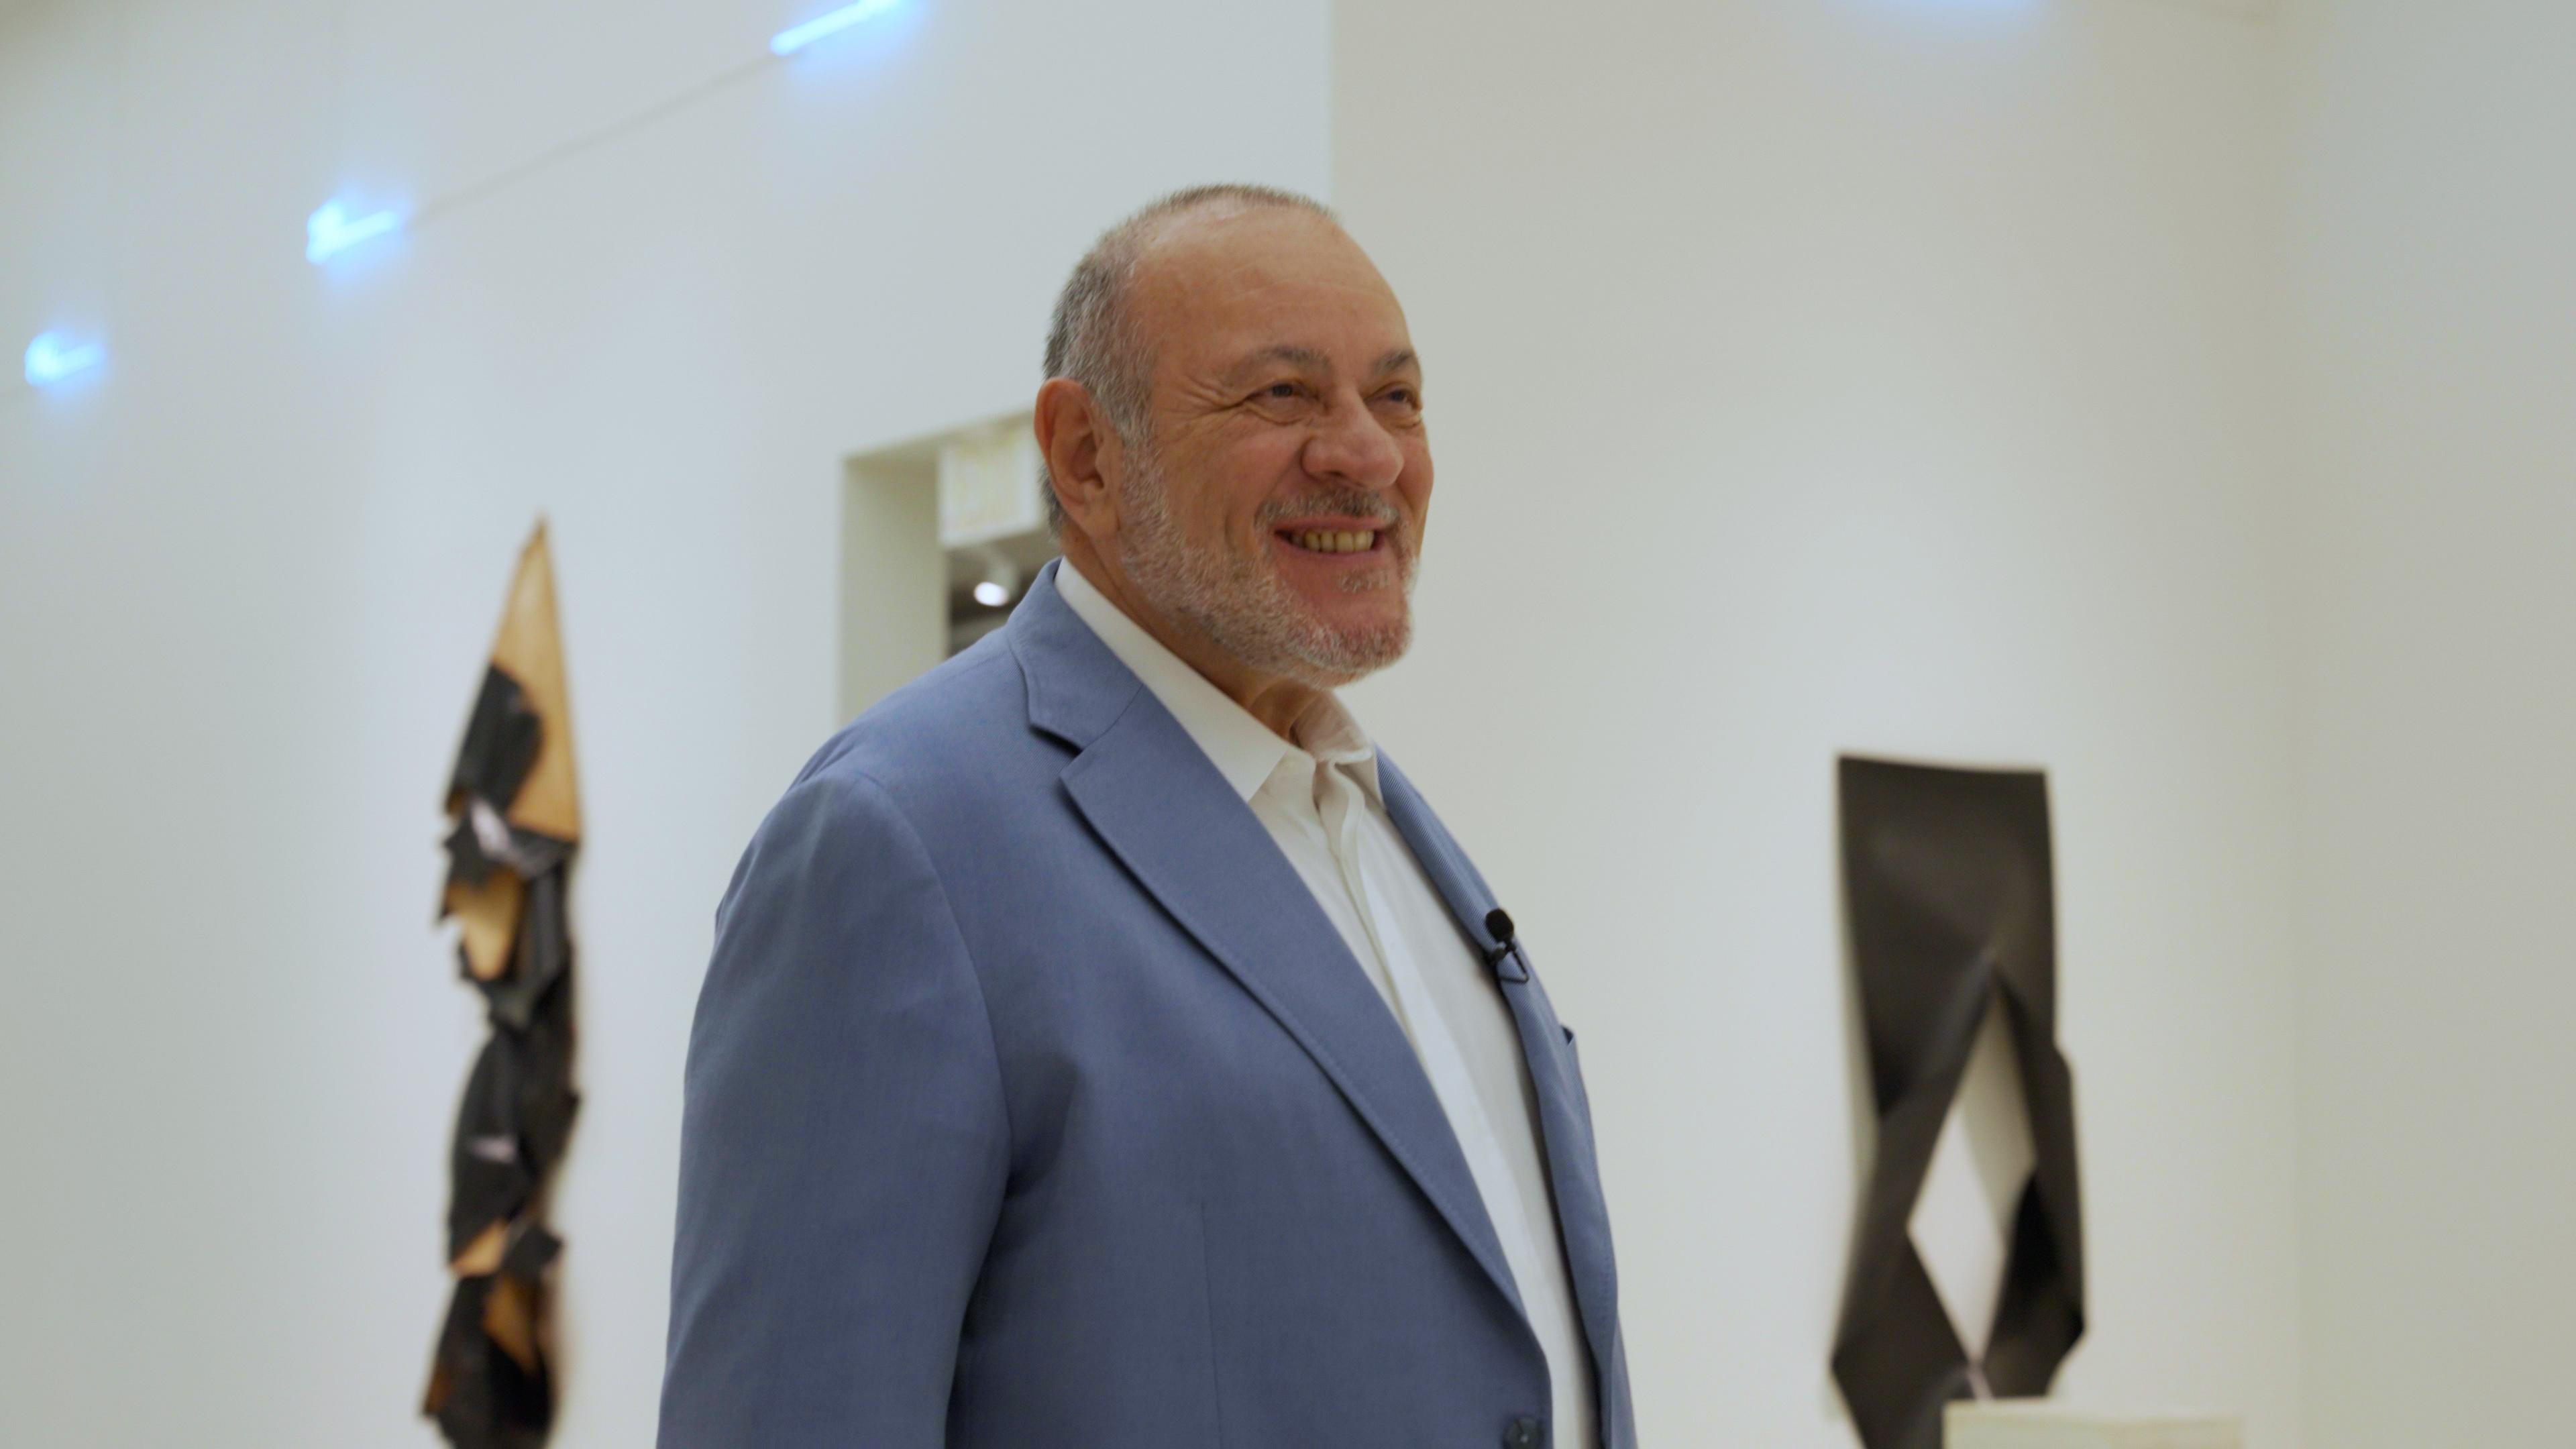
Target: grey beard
pixel 1243 606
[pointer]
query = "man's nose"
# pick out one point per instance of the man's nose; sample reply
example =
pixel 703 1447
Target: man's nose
pixel 1350 443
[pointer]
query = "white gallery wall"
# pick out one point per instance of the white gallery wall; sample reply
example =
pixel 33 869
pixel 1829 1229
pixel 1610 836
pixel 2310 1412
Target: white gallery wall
pixel 249 575
pixel 2433 200
pixel 1824 375
pixel 2175 394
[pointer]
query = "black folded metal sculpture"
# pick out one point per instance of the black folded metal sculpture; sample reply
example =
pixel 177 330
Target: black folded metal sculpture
pixel 1948 884
pixel 516 820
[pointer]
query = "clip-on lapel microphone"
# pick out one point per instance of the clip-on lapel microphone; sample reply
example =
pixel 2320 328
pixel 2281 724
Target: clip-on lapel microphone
pixel 1506 947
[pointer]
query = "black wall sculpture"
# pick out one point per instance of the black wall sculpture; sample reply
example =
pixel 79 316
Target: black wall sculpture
pixel 1947 879
pixel 516 820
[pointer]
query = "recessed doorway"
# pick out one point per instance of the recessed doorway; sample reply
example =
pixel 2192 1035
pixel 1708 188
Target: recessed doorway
pixel 940 538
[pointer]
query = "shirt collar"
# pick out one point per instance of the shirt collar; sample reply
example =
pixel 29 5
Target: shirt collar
pixel 1242 748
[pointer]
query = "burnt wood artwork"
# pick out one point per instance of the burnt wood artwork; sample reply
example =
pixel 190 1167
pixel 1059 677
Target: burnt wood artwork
pixel 514 822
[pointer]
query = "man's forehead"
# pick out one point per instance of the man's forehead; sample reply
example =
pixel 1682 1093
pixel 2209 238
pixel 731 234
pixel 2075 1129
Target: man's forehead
pixel 1228 294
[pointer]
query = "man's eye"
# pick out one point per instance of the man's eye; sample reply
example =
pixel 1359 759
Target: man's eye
pixel 1280 390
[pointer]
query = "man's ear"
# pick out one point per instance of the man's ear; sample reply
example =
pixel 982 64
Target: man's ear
pixel 1082 455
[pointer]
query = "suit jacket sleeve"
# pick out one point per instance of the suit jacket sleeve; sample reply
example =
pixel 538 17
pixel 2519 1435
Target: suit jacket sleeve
pixel 844 1143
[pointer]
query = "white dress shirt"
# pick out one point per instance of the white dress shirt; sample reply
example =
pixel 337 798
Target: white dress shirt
pixel 1318 798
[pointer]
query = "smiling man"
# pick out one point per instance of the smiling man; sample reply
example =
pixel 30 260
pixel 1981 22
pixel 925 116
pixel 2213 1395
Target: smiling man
pixel 1104 1044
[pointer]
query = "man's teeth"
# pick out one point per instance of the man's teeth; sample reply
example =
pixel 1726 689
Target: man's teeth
pixel 1325 541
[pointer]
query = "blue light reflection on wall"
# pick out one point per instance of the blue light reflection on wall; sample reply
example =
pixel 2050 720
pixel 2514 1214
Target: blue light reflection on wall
pixel 336 226
pixel 330 230
pixel 52 357
pixel 796 38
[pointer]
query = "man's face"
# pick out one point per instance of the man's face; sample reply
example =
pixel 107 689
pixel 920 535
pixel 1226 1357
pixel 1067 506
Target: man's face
pixel 1278 503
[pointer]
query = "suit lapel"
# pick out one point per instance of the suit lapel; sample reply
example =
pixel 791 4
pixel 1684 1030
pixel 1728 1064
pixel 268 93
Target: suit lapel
pixel 1583 1219
pixel 1169 816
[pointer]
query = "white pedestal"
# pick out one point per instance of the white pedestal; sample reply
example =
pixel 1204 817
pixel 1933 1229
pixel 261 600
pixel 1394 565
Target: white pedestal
pixel 2036 1425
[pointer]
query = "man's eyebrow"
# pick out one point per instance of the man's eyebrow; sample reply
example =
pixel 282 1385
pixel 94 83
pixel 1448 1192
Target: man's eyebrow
pixel 1314 361
pixel 1290 353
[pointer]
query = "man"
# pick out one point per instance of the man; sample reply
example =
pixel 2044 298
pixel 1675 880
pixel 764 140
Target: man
pixel 1103 1045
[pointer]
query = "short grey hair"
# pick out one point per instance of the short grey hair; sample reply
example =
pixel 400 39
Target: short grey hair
pixel 1093 339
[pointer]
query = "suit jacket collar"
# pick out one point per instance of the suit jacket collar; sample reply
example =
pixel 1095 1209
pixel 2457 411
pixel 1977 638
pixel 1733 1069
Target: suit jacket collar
pixel 1242 748
pixel 1077 687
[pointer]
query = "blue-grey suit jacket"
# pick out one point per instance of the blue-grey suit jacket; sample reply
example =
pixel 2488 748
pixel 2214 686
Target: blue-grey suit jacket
pixel 1033 1103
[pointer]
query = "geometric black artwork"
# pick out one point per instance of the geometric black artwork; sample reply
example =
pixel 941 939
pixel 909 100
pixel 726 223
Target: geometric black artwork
pixel 1947 880
pixel 514 822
